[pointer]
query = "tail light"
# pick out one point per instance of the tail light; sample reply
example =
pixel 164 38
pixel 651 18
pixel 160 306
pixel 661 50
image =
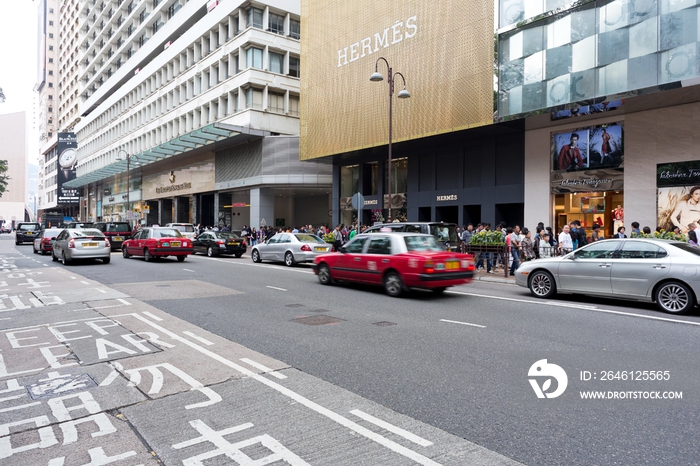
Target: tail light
pixel 107 245
pixel 71 243
pixel 306 248
pixel 243 244
pixel 220 242
pixel 429 267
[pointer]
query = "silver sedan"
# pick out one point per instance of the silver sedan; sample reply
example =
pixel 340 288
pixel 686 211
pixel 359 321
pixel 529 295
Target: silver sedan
pixel 661 271
pixel 74 243
pixel 290 248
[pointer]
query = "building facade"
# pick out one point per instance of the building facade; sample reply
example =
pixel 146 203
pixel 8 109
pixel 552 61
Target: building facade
pixel 189 113
pixel 13 149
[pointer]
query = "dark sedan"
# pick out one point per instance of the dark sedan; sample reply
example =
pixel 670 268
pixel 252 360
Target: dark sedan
pixel 214 243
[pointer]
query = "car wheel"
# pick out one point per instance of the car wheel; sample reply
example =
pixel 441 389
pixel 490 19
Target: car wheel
pixel 255 255
pixel 542 284
pixel 210 252
pixel 64 259
pixel 238 255
pixel 34 249
pixel 674 297
pixel 181 258
pixel 125 254
pixel 106 260
pixel 289 259
pixel 53 257
pixel 393 285
pixel 147 256
pixel 324 275
pixel 439 290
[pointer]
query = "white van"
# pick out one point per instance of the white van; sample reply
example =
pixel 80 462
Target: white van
pixel 185 229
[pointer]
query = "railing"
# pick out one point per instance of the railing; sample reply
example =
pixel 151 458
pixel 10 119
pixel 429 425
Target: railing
pixel 502 253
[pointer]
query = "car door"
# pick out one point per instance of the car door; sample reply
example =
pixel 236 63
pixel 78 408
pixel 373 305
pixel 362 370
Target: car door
pixel 378 258
pixel 637 266
pixel 346 263
pixel 58 244
pixel 266 249
pixel 202 242
pixel 139 242
pixel 283 243
pixel 587 270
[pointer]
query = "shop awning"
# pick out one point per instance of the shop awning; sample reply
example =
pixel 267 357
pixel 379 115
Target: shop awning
pixel 210 135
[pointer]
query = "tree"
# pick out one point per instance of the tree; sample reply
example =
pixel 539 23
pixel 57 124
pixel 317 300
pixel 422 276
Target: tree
pixel 2 96
pixel 4 178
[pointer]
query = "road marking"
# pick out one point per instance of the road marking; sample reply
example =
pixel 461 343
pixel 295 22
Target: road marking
pixel 73 278
pixel 275 288
pixel 392 428
pixel 265 369
pixel 462 323
pixel 124 301
pixel 342 420
pixel 188 270
pixel 153 316
pixel 101 291
pixel 581 307
pixel 267 266
pixel 198 338
pixel 84 282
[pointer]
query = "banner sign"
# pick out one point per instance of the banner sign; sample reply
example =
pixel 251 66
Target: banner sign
pixel 67 159
pixel 678 195
pixel 587 181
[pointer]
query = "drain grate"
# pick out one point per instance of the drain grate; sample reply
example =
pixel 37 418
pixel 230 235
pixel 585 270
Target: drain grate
pixel 384 324
pixel 318 320
pixel 295 305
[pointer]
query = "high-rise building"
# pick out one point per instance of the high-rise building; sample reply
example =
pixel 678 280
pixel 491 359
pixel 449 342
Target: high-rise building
pixel 13 149
pixel 189 113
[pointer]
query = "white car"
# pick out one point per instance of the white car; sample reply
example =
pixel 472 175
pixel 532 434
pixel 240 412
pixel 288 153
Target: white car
pixel 186 229
pixel 290 248
pixel 74 243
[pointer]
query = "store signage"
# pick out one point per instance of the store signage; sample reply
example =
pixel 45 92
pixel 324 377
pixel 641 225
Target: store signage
pixel 678 174
pixel 451 197
pixel 174 187
pixel 239 204
pixel 380 40
pixel 371 201
pixel 587 181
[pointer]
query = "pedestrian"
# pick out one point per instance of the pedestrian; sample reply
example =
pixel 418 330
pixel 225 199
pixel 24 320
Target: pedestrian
pixel 513 238
pixel 565 243
pixel 254 237
pixel 621 233
pixel 596 235
pixel 544 249
pixel 635 230
pixel 692 234
pixel 528 246
pixel 337 238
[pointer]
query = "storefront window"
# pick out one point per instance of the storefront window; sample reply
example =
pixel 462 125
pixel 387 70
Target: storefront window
pixel 349 180
pixel 374 181
pixel 399 175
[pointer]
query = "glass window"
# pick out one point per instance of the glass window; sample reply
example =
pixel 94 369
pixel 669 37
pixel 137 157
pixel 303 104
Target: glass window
pixel 380 245
pixel 294 105
pixel 399 172
pixel 294 29
pixel 276 62
pixel 597 250
pixel 254 58
pixel 349 180
pixel 284 239
pixel 374 177
pixel 444 232
pixel 308 238
pixel 276 23
pixel 255 18
pixel 356 245
pixel 273 240
pixel 275 102
pixel 294 67
pixel 641 250
pixel 421 243
pixel 253 98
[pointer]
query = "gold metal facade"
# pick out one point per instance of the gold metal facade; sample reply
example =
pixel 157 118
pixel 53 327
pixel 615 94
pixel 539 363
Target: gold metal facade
pixel 445 51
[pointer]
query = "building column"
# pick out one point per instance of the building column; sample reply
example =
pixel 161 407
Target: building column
pixel 160 211
pixel 216 209
pixel 194 202
pixel 176 211
pixel 262 207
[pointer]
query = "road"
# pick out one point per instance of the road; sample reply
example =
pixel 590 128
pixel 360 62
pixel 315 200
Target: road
pixel 450 367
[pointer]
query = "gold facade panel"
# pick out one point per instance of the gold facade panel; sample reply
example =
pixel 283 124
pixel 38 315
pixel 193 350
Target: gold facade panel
pixel 444 50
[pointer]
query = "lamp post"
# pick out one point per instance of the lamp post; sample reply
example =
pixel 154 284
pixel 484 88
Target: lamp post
pixel 403 94
pixel 128 173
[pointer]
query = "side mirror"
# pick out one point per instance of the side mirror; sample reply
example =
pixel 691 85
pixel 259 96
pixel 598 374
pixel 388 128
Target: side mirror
pixel 53 238
pixel 342 250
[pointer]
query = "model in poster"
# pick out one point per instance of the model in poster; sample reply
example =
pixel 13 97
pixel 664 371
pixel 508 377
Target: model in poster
pixel 570 157
pixel 687 211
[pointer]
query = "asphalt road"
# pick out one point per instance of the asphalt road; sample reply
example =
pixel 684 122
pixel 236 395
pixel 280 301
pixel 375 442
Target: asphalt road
pixel 459 361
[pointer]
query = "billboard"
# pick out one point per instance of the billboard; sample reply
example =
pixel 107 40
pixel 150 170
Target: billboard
pixel 443 51
pixel 66 149
pixel 678 195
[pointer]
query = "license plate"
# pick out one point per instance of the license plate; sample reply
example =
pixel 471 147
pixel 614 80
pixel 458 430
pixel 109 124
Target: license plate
pixel 29 233
pixel 118 238
pixel 321 249
pixel 90 245
pixel 231 243
pixel 452 265
pixel 175 244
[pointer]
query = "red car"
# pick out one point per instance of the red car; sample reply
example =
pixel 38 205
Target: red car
pixel 43 243
pixel 397 261
pixel 155 242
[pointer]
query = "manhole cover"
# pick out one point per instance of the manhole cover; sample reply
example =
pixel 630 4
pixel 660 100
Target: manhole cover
pixel 384 324
pixel 295 305
pixel 318 320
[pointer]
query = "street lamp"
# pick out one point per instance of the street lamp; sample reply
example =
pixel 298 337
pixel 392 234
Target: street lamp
pixel 404 94
pixel 128 187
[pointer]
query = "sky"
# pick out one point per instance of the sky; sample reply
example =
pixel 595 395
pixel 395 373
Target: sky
pixel 18 62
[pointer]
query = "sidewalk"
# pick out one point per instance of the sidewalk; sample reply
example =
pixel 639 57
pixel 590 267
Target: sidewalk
pixel 498 276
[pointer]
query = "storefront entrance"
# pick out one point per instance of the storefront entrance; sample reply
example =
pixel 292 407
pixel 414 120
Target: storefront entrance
pixel 588 208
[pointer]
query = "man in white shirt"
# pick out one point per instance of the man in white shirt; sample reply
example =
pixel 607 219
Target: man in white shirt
pixel 565 243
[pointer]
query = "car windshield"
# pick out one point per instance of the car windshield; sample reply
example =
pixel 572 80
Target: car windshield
pixel 422 243
pixel 50 233
pixel 123 227
pixel 184 228
pixel 29 226
pixel 225 235
pixel 166 233
pixel 307 238
pixel 687 247
pixel 444 232
pixel 86 233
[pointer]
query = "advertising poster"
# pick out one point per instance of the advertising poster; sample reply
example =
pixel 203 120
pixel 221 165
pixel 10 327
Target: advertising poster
pixel 678 198
pixel 67 159
pixel 606 149
pixel 570 150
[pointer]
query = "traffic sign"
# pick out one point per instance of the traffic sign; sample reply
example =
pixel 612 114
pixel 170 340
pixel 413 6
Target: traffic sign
pixel 358 201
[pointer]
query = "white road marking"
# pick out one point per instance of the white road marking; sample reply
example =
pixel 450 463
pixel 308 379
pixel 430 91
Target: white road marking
pixel 101 291
pixel 580 307
pixel 343 421
pixel 153 316
pixel 198 338
pixel 73 278
pixel 267 266
pixel 188 270
pixel 462 323
pixel 124 302
pixel 84 282
pixel 263 368
pixel 275 288
pixel 392 428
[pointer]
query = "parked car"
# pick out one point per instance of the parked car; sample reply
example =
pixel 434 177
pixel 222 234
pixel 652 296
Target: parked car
pixel 80 243
pixel 396 261
pixel 445 233
pixel 76 225
pixel 156 242
pixel 290 248
pixel 5 228
pixel 641 269
pixel 214 243
pixel 186 229
pixel 117 232
pixel 25 232
pixel 43 243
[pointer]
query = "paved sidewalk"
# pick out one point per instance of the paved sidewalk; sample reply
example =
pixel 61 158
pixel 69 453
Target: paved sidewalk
pixel 498 276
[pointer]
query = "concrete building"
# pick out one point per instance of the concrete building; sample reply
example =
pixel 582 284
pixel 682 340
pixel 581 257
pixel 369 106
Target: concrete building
pixel 13 148
pixel 190 113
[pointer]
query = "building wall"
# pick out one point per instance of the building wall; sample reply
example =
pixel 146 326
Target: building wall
pixel 13 148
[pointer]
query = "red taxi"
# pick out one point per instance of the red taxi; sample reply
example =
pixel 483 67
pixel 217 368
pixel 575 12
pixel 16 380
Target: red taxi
pixel 156 242
pixel 397 261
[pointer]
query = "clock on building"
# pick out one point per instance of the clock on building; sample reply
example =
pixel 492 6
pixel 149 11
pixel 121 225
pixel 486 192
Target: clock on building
pixel 67 161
